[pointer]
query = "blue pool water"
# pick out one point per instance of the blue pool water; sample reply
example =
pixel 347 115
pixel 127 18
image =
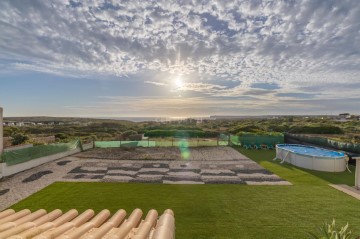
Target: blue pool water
pixel 309 150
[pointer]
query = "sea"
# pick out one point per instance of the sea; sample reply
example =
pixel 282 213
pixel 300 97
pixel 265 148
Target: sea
pixel 157 119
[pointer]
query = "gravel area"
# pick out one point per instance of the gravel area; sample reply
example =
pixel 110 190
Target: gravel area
pixel 206 165
pixel 163 153
pixel 19 190
pixel 155 153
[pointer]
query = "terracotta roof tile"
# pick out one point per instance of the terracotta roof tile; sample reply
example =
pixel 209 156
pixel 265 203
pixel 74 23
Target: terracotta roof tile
pixel 70 225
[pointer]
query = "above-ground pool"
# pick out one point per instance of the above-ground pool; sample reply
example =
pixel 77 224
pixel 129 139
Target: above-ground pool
pixel 311 157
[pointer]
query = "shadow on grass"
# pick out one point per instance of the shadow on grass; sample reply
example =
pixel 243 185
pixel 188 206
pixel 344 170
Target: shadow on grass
pixel 296 175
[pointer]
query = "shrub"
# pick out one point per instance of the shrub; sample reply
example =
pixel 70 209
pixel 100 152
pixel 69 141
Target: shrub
pixel 93 137
pixel 329 231
pixel 61 136
pixel 245 128
pixel 11 130
pixel 322 129
pixel 19 139
pixel 278 128
pixel 180 133
pixel 127 133
pixel 259 133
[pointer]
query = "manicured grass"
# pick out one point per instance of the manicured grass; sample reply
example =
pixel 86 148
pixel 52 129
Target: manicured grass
pixel 220 211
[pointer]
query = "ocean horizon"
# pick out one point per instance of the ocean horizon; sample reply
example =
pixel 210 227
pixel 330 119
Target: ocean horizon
pixel 155 119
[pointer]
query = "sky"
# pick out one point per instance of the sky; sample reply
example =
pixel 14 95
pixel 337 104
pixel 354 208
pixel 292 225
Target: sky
pixel 179 58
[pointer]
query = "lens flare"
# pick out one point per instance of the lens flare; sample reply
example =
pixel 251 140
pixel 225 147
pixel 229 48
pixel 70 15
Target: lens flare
pixel 184 149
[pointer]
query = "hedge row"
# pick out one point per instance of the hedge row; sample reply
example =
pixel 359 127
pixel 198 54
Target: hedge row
pixel 322 129
pixel 180 133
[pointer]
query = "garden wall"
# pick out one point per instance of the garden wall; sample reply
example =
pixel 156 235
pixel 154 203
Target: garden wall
pixel 7 169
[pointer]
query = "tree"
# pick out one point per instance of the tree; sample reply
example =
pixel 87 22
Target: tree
pixel 61 136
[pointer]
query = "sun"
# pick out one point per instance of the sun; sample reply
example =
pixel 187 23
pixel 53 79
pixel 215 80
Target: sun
pixel 179 83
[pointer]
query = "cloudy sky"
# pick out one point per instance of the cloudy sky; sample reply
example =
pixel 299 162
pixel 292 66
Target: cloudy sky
pixel 179 58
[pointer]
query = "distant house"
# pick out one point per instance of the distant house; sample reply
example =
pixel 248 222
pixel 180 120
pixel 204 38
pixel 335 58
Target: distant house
pixel 19 124
pixel 344 116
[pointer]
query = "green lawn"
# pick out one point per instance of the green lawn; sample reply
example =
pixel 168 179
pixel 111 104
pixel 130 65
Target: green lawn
pixel 296 175
pixel 221 211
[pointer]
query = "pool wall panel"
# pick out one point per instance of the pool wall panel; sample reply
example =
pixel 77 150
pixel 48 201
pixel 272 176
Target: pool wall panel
pixel 326 164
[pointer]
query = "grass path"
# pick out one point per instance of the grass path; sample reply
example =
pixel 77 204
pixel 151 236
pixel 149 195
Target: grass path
pixel 221 211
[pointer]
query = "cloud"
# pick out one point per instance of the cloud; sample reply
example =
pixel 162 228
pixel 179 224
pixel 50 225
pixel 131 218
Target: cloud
pixel 271 48
pixel 155 83
pixel 200 87
pixel 297 95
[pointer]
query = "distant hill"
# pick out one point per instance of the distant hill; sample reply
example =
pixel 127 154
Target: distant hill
pixel 37 119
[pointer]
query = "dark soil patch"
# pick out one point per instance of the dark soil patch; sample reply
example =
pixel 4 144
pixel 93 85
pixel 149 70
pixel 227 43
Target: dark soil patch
pixel 62 163
pixel 225 182
pixel 194 170
pixel 218 174
pixel 2 192
pixel 155 165
pixel 251 171
pixel 80 170
pixel 36 176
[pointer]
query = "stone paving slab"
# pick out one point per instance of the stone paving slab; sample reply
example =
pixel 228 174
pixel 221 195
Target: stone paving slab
pixel 182 182
pixel 161 170
pixel 119 171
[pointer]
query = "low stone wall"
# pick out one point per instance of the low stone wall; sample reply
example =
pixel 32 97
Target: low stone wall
pixel 88 146
pixel 44 139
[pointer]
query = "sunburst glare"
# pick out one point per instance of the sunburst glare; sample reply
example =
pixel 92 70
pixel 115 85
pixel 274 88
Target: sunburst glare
pixel 179 82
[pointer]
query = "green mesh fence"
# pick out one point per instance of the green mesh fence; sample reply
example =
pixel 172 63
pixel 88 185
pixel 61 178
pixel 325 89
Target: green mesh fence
pixel 223 139
pixel 249 139
pixel 27 154
pixel 175 142
pixel 320 141
pixel 235 140
pixel 117 144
